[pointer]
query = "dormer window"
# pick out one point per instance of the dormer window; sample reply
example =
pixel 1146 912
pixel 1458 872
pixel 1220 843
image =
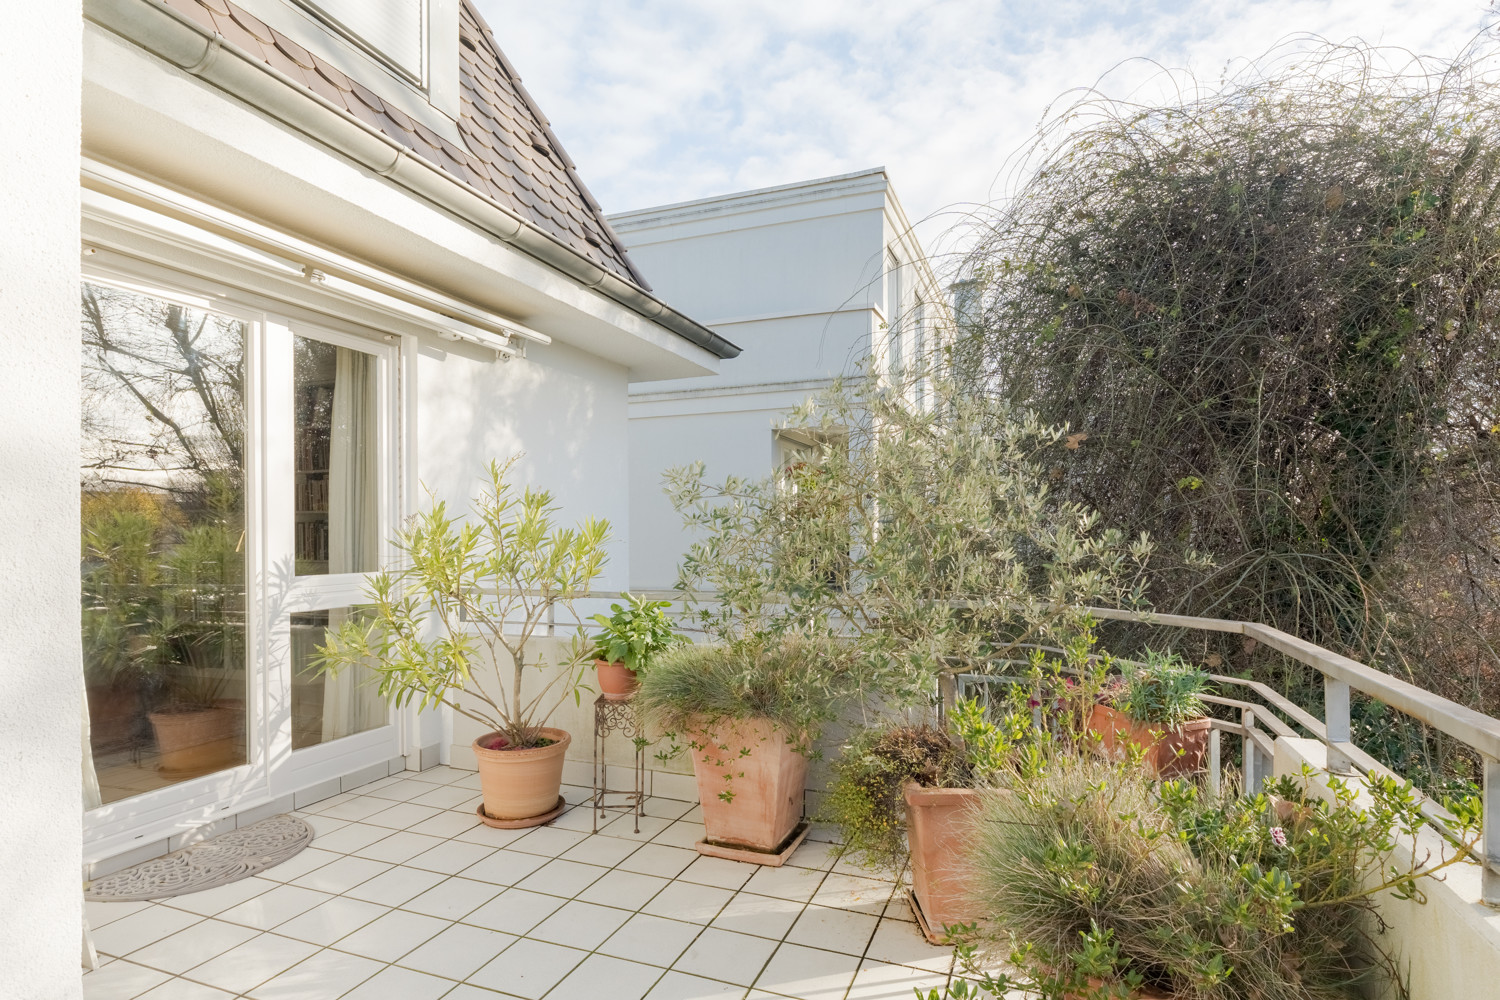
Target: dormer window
pixel 394 31
pixel 404 50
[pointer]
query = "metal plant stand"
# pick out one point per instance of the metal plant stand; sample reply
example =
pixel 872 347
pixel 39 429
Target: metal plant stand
pixel 618 717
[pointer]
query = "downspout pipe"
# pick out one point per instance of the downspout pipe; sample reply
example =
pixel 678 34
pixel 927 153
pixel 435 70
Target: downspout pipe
pixel 212 58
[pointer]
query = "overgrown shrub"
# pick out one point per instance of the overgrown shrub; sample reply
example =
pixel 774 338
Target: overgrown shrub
pixel 1269 314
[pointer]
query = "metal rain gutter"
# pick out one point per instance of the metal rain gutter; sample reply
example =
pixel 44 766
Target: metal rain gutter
pixel 214 59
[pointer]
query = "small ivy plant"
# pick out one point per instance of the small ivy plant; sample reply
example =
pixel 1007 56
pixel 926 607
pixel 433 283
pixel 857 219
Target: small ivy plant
pixel 634 635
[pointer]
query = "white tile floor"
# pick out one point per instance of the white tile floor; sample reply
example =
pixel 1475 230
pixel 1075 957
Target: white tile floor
pixel 405 896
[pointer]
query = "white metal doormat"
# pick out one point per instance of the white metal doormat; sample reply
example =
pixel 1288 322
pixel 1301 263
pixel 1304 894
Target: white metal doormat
pixel 226 858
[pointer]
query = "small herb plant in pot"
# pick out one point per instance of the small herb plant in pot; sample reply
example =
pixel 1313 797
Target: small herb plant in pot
pixel 488 585
pixel 912 792
pixel 748 713
pixel 631 638
pixel 1158 710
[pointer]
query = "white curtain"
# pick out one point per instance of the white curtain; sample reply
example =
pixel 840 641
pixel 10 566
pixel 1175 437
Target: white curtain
pixel 91 797
pixel 350 705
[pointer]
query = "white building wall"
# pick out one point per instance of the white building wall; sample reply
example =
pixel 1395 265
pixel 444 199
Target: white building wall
pixel 795 275
pixel 40 651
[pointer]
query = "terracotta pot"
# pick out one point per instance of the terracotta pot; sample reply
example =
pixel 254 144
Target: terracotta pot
pixel 766 785
pixel 617 682
pixel 1118 731
pixel 114 711
pixel 197 741
pixel 521 784
pixel 938 824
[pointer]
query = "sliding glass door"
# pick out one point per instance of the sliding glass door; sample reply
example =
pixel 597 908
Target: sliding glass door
pixel 237 486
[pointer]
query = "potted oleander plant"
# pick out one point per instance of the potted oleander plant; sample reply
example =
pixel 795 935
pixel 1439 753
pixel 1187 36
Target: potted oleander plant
pixel 487 586
pixel 1156 709
pixel 748 713
pixel 632 635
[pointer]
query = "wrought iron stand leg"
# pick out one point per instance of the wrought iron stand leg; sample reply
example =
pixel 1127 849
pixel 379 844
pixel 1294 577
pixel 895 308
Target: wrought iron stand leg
pixel 599 783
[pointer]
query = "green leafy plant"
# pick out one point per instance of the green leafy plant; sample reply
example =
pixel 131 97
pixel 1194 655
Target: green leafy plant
pixel 163 597
pixel 866 800
pixel 488 584
pixel 635 635
pixel 1165 691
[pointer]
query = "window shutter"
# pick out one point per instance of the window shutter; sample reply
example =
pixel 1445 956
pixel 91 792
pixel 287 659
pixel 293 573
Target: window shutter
pixel 392 28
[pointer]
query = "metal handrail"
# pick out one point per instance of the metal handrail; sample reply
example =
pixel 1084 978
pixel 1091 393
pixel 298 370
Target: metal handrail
pixel 1342 674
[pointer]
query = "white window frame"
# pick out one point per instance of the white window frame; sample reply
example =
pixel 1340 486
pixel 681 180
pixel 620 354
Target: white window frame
pixel 272 769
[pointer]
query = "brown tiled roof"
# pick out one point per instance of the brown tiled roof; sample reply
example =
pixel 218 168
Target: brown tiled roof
pixel 509 152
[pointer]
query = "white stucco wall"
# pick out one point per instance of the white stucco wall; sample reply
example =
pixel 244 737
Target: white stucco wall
pixel 795 275
pixel 40 655
pixel 1447 947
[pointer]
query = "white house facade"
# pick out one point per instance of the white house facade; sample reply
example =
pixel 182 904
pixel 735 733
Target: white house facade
pixel 812 279
pixel 324 258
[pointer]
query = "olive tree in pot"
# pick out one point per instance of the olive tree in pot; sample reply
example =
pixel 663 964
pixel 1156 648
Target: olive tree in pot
pixel 748 713
pixel 923 542
pixel 631 638
pixel 1156 709
pixel 468 596
pixel 918 542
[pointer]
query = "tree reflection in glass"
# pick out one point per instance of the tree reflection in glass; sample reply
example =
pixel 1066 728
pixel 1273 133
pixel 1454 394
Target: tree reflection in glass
pixel 162 518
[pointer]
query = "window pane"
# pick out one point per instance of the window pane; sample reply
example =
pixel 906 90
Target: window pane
pixel 337 442
pixel 326 708
pixel 163 540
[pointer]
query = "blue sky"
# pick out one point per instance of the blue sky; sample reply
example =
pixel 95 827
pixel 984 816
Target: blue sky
pixel 666 100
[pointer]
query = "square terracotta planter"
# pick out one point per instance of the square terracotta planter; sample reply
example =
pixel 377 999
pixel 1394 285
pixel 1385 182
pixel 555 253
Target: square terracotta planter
pixel 1118 732
pixel 760 817
pixel 939 824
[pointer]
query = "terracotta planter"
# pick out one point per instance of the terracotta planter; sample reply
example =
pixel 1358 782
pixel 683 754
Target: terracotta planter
pixel 766 785
pixel 617 682
pixel 197 741
pixel 938 823
pixel 114 711
pixel 521 787
pixel 1118 731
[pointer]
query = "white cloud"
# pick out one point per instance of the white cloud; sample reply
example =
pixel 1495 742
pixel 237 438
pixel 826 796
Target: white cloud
pixel 667 100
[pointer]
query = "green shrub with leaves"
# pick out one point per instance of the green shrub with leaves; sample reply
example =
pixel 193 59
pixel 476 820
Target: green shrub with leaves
pixel 921 540
pixel 866 800
pixel 1165 691
pixel 489 583
pixel 635 635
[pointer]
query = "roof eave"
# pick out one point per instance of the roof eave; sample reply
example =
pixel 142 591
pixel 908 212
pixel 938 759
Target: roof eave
pixel 212 58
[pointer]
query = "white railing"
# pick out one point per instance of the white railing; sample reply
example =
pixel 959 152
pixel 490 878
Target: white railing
pixel 1260 726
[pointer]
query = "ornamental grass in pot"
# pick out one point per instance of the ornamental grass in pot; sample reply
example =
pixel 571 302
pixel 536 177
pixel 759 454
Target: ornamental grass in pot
pixel 1157 709
pixel 631 638
pixel 1099 882
pixel 468 597
pixel 748 713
